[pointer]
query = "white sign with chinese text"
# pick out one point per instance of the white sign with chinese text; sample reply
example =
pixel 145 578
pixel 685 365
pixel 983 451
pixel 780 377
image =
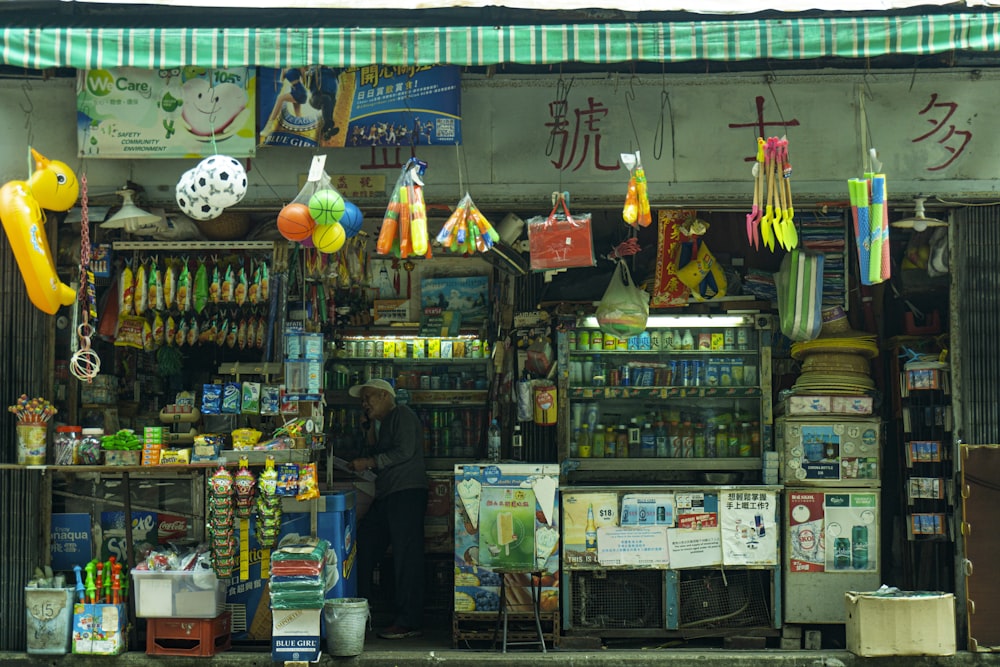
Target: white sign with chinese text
pixel 749 532
pixel 646 546
pixel 694 547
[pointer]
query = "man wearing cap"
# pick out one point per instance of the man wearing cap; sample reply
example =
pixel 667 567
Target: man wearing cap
pixel 394 437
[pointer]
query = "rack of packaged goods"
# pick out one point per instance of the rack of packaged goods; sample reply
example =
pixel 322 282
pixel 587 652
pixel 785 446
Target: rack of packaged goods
pixel 445 380
pixel 685 560
pixel 690 393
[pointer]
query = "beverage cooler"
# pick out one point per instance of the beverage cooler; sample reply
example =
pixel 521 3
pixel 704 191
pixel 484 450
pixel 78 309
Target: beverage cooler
pixel 506 518
pixel 831 467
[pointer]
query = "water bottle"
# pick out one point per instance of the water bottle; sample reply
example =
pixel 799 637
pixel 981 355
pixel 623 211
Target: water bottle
pixel 493 442
pixel 647 440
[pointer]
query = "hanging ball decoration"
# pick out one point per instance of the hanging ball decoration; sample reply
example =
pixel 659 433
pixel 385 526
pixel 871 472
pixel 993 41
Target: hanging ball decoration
pixel 352 219
pixel 329 238
pixel 184 190
pixel 326 206
pixel 222 179
pixel 192 200
pixel 295 223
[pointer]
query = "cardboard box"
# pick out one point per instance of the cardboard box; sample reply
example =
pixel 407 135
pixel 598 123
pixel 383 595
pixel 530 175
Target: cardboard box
pixel 912 624
pixel 178 594
pixel 822 405
pixel 99 629
pixel 295 635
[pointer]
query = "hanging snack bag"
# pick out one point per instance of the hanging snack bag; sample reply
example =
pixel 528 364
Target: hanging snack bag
pixel 211 399
pixel 231 394
pixel 308 482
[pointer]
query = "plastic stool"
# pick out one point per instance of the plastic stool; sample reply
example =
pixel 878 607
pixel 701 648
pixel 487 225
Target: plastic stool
pixel 536 597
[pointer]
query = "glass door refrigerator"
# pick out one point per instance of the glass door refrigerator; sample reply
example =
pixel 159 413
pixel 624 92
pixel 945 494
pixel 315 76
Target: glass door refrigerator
pixel 831 468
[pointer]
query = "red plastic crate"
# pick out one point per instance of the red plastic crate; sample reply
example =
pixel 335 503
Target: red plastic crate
pixel 201 637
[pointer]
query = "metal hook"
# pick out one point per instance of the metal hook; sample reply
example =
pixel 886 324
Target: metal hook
pixel 26 88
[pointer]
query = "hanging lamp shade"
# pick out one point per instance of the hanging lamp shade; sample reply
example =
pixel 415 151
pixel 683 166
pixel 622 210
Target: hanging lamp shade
pixel 130 217
pixel 919 221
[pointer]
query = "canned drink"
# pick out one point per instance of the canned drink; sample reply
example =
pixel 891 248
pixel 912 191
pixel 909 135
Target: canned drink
pixel 369 348
pixel 675 378
pixel 698 372
pixel 742 339
pixel 583 340
pixel 436 382
pixel 379 348
pixel 730 339
pixel 690 377
pixel 596 340
pixel 647 376
pixel 614 378
pixel 622 344
pixel 681 378
pixel 712 373
pixel 571 338
pixel 425 381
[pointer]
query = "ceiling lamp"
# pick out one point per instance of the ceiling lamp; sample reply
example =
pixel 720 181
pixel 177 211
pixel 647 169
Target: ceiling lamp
pixel 918 222
pixel 130 217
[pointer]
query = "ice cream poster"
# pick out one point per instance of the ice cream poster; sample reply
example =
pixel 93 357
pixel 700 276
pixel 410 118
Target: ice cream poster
pixel 507 528
pixel 375 105
pixel 128 112
pixel 749 532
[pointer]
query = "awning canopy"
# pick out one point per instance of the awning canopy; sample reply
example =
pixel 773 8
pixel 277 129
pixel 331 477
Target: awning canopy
pixel 595 43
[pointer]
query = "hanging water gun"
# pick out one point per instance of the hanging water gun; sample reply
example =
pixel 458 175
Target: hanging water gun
pixel 467 229
pixel 404 225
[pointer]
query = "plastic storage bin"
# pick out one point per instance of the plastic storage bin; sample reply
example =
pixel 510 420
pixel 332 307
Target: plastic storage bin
pixel 49 613
pixel 178 594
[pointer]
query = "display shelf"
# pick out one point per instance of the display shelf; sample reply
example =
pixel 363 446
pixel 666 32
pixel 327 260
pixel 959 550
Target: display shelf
pixel 407 361
pixel 255 458
pixel 664 353
pixel 632 464
pixel 173 246
pixel 449 397
pixel 663 392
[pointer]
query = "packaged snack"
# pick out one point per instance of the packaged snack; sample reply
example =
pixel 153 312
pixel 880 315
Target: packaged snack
pixel 270 399
pixel 288 479
pixel 308 482
pixel 231 395
pixel 211 399
pixel 250 404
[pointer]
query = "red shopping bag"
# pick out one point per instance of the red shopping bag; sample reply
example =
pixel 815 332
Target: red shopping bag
pixel 561 240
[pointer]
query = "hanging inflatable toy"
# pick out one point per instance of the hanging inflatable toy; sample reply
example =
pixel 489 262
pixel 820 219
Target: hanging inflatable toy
pixel 51 186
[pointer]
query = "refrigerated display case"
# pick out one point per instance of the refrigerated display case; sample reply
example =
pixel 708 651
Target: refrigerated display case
pixel 690 394
pixel 670 560
pixel 506 518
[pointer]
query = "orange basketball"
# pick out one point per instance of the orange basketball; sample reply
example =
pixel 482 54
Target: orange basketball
pixel 295 223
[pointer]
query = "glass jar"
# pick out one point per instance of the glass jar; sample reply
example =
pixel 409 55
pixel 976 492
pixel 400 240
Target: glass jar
pixel 88 451
pixel 66 440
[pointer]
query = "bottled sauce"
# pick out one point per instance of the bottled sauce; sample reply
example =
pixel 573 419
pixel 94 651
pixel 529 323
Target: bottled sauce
pixel 662 444
pixel 745 444
pixel 721 441
pixel 597 443
pixel 676 340
pixel 610 443
pixel 674 439
pixel 687 342
pixel 687 440
pixel 590 531
pixel 621 441
pixel 583 444
pixel 648 441
pixel 517 444
pixel 634 439
pixel 492 442
pixel 699 441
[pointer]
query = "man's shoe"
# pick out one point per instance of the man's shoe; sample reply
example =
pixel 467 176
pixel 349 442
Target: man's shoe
pixel 399 632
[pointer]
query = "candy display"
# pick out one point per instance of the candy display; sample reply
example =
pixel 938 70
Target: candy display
pixel 32 411
pixel 220 522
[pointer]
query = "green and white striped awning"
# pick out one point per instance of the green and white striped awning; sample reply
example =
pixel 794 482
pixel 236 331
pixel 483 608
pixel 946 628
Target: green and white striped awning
pixel 719 40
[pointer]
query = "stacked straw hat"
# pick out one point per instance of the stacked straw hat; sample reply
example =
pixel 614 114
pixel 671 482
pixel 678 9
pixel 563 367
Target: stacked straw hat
pixel 838 360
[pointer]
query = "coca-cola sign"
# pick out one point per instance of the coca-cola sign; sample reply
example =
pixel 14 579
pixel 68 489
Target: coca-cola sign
pixel 171 527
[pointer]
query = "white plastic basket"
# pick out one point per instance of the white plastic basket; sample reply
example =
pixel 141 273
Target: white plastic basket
pixel 346 621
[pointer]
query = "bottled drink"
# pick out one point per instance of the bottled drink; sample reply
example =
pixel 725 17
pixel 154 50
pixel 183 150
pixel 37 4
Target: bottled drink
pixel 621 441
pixel 699 441
pixel 590 531
pixel 721 441
pixel 662 444
pixel 710 440
pixel 458 441
pixel 676 342
pixel 648 441
pixel 517 444
pixel 734 440
pixel 626 376
pixel 634 439
pixel 859 547
pixel 674 439
pixel 687 440
pixel 610 443
pixel 597 443
pixel 755 439
pixel 493 440
pixel 583 443
pixel 687 342
pixel 587 379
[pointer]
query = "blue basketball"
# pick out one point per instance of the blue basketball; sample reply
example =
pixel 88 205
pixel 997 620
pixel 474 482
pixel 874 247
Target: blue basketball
pixel 351 219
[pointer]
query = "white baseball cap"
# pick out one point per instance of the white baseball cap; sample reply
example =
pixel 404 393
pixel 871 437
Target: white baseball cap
pixel 374 383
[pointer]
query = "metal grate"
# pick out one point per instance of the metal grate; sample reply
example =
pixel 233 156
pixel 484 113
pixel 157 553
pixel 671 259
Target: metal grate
pixel 975 246
pixel 732 599
pixel 618 599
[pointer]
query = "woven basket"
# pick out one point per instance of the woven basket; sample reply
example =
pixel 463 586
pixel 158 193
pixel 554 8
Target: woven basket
pixel 230 226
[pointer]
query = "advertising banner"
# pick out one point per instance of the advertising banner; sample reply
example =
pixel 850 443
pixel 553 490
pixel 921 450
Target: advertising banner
pixel 181 112
pixel 376 105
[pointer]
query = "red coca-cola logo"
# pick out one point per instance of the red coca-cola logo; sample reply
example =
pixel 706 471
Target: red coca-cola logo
pixel 173 526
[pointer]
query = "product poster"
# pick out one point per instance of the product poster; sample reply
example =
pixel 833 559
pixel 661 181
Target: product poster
pixel 375 105
pixel 851 532
pixel 749 532
pixel 584 515
pixel 69 537
pixel 807 548
pixel 507 528
pixel 838 451
pixel 128 112
pixel 467 295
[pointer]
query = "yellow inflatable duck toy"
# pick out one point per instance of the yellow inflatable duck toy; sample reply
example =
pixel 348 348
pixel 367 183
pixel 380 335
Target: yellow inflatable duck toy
pixel 52 186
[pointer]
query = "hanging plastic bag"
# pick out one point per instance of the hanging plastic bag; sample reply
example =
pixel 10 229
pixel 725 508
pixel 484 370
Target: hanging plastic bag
pixel 624 308
pixel 799 282
pixel 562 240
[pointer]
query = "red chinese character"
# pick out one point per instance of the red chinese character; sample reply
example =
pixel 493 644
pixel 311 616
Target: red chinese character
pixel 948 131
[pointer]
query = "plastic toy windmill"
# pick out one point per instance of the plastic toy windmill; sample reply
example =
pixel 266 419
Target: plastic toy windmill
pixel 754 216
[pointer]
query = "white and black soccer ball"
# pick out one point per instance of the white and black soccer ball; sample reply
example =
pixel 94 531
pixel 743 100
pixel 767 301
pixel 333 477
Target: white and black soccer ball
pixel 201 209
pixel 184 191
pixel 221 179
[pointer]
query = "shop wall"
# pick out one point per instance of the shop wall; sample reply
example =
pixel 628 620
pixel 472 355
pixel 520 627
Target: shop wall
pixel 525 137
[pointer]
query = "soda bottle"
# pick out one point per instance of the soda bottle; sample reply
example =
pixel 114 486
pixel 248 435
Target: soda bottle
pixel 687 341
pixel 710 440
pixel 721 441
pixel 583 444
pixel 687 440
pixel 674 439
pixel 662 444
pixel 517 444
pixel 648 441
pixel 745 442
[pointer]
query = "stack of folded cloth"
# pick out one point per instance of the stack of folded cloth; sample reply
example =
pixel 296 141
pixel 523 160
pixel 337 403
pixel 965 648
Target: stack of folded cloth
pixel 298 574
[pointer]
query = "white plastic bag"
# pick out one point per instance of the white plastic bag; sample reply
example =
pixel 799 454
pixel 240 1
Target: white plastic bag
pixel 624 308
